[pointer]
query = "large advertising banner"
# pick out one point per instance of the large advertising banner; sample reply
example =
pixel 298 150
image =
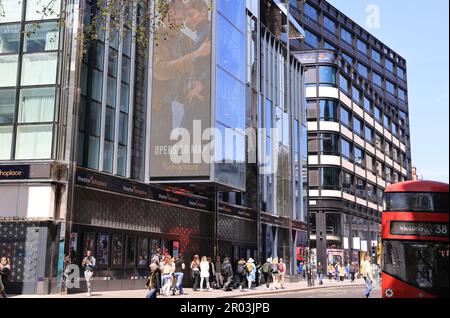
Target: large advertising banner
pixel 181 92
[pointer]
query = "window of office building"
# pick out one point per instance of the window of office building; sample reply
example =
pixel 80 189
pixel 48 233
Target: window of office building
pixel 390 87
pixel 361 46
pixel 328 46
pixel 311 76
pixel 329 24
pixel 343 83
pixel 12 11
pixel 400 73
pixel 7 105
pixel 357 126
pixel 35 10
pixel 327 76
pixel 360 187
pixel 34 142
pixel 349 59
pixel 346 36
pixel 311 39
pixel 362 70
pixel 369 134
pixel 380 169
pixel 36 105
pixel 389 65
pixel 395 128
pixel 356 94
pixel 376 78
pixel 371 192
pixel 367 105
pixel 9 38
pixel 41 39
pixel 359 156
pixel 378 114
pixel 370 163
pixel 346 149
pixel 330 178
pixel 401 94
pixel 329 144
pixel 388 172
pixel 386 122
pixel 347 183
pixel 310 12
pixel 5 142
pixel 329 110
pixel 32 66
pixel 378 141
pixel 376 56
pixel 345 116
pixel 387 148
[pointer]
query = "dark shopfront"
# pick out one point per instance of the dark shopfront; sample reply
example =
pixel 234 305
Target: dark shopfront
pixel 125 230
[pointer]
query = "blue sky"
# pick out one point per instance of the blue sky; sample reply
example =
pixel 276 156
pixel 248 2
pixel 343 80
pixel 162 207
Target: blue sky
pixel 418 31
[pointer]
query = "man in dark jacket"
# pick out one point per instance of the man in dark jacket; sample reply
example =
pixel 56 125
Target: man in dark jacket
pixel 154 281
pixel 320 272
pixel 267 272
pixel 227 273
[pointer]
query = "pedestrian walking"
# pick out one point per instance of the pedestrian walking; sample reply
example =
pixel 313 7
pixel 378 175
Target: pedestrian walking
pixel 275 273
pixel 178 274
pixel 309 274
pixel 251 272
pixel 353 269
pixel 282 272
pixel 368 276
pixel 320 272
pixel 242 272
pixel 195 271
pixel 267 272
pixel 204 274
pixel 300 269
pixel 154 281
pixel 212 273
pixel 258 273
pixel 330 271
pixel 89 264
pixel 5 270
pixel 218 271
pixel 227 274
pixel 167 275
pixel 347 271
pixel 341 270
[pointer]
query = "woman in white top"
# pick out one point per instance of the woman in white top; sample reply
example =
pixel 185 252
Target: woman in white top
pixel 204 273
pixel 167 274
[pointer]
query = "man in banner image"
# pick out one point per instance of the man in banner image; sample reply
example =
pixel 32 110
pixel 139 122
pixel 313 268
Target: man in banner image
pixel 181 80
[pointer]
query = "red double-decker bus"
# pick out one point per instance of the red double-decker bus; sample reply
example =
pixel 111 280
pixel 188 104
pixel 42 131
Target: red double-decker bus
pixel 415 240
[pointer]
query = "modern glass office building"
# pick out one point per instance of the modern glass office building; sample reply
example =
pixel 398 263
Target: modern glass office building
pixel 358 130
pixel 86 159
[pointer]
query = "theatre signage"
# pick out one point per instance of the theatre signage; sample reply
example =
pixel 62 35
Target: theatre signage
pixel 95 180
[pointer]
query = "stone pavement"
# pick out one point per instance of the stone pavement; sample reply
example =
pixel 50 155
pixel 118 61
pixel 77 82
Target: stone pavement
pixel 190 294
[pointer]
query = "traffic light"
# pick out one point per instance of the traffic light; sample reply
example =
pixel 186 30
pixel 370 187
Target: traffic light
pixel 374 254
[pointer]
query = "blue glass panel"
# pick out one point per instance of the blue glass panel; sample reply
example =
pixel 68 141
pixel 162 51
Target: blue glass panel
pixel 230 100
pixel 233 10
pixel 230 49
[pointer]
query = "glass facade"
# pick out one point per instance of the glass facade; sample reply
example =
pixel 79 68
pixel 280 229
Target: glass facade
pixel 28 91
pixel 106 91
pixel 230 92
